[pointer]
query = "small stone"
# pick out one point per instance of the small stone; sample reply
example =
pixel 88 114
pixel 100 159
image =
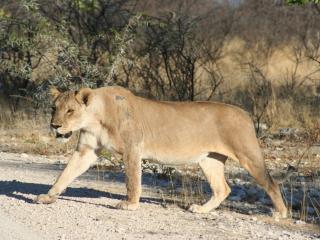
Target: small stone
pixel 214 213
pixel 63 236
pixel 254 219
pixel 299 222
pixel 148 171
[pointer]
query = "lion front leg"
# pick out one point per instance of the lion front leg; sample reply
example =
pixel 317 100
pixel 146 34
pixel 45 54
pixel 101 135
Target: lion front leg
pixel 132 164
pixel 78 164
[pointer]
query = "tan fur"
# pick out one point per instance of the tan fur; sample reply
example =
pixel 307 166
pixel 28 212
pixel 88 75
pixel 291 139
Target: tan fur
pixel 54 92
pixel 203 133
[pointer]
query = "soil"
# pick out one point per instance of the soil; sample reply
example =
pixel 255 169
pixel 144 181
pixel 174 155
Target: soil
pixel 86 210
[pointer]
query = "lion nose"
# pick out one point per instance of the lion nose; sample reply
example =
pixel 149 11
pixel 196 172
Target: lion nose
pixel 55 126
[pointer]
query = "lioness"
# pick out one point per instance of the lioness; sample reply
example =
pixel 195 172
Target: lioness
pixel 204 133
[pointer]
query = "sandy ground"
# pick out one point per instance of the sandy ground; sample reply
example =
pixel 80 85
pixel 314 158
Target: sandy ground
pixel 85 210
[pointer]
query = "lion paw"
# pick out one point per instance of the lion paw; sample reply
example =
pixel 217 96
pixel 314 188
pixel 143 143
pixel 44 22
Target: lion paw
pixel 45 199
pixel 125 205
pixel 279 215
pixel 197 209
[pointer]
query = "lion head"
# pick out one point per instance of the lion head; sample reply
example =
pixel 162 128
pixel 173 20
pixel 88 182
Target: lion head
pixel 68 112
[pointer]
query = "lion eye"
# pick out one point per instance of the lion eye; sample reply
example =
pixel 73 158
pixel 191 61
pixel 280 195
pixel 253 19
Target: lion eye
pixel 53 108
pixel 70 111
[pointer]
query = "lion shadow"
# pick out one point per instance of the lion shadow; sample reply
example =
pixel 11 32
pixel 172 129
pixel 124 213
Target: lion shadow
pixel 16 189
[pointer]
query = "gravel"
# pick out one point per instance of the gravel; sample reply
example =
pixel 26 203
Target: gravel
pixel 85 211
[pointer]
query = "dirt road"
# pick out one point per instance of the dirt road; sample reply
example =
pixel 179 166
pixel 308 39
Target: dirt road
pixel 85 210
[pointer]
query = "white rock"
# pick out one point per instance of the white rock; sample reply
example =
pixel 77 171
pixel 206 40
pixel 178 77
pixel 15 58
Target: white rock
pixel 299 222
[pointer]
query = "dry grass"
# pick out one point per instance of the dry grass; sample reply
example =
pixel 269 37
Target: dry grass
pixel 278 66
pixel 19 132
pixel 285 113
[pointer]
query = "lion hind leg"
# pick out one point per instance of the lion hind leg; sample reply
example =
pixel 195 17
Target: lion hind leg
pixel 255 165
pixel 213 169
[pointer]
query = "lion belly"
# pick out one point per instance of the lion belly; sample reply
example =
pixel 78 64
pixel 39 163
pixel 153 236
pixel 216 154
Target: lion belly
pixel 174 159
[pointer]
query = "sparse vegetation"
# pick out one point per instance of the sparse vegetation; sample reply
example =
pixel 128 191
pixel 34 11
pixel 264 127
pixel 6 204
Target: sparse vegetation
pixel 184 51
pixel 263 56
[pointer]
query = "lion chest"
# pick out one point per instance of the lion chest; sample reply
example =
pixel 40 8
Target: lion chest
pixel 111 142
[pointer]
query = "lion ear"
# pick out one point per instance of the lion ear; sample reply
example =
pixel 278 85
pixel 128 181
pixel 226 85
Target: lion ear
pixel 83 96
pixel 54 92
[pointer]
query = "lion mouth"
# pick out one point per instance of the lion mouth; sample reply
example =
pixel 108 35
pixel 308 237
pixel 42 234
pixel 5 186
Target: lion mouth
pixel 65 136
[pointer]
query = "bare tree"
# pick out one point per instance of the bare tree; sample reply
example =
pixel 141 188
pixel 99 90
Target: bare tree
pixel 175 59
pixel 257 90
